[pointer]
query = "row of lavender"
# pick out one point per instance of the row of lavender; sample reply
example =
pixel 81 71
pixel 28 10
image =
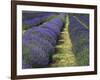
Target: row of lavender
pixel 39 42
pixel 30 19
pixel 80 38
pixel 26 15
pixel 83 18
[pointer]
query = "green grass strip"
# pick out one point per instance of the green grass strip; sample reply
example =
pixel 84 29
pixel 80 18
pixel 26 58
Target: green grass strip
pixel 64 55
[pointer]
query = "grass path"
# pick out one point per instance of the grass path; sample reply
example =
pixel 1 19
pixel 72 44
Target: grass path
pixel 64 55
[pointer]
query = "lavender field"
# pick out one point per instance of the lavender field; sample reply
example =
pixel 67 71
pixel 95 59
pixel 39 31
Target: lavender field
pixel 51 39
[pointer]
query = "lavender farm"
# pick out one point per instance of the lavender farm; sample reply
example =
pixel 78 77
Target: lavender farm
pixel 53 39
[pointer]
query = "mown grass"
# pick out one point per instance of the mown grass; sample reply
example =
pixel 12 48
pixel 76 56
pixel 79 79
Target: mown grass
pixel 64 55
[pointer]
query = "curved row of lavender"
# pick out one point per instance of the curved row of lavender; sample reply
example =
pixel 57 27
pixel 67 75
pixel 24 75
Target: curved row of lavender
pixel 26 15
pixel 35 19
pixel 39 42
pixel 80 40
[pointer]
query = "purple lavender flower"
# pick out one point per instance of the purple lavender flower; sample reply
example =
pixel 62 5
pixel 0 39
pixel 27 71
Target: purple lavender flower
pixel 52 27
pixel 57 21
pixel 39 42
pixel 80 40
pixel 37 57
pixel 84 18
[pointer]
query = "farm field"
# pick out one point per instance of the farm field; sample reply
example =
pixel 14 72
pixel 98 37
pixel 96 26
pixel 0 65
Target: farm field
pixel 51 39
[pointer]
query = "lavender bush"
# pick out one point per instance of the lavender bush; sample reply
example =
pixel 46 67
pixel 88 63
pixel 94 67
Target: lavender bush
pixel 39 42
pixel 80 39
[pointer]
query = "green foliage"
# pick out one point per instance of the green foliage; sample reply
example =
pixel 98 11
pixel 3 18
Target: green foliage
pixel 50 18
pixel 25 27
pixel 83 57
pixel 25 54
